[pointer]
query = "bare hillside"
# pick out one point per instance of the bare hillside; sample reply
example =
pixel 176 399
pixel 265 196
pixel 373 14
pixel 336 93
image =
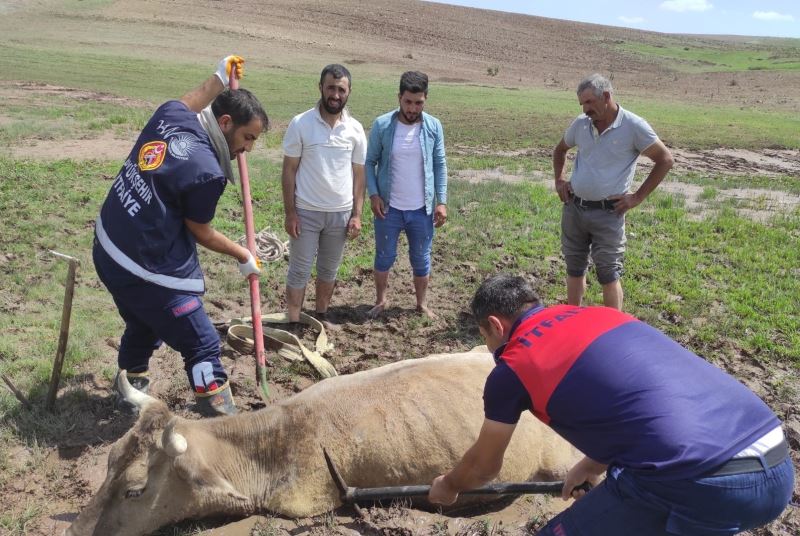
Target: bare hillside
pixel 384 36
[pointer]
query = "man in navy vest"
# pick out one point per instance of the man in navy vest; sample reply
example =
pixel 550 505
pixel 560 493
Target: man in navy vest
pixel 160 206
pixel 686 448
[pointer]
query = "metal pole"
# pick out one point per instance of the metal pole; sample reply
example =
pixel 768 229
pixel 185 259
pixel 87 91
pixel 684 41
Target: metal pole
pixel 350 495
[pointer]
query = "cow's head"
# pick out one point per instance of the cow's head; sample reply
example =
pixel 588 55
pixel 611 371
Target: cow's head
pixel 159 472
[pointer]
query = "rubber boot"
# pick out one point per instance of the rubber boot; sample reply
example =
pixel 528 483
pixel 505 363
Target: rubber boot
pixel 216 403
pixel 139 381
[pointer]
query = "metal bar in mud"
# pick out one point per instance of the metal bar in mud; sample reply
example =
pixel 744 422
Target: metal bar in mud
pixel 350 495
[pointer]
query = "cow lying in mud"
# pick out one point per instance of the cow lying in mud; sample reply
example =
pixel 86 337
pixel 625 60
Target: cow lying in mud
pixel 399 424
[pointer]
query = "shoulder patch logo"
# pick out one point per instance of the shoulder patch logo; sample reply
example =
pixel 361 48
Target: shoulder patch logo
pixel 182 145
pixel 151 155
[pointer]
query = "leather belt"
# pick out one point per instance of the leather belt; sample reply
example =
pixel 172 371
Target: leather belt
pixel 606 204
pixel 736 466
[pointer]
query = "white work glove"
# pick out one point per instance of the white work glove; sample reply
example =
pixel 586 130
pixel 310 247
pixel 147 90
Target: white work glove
pixel 251 266
pixel 226 65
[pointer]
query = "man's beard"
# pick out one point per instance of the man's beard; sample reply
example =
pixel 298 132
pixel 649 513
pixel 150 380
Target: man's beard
pixel 410 118
pixel 229 138
pixel 337 108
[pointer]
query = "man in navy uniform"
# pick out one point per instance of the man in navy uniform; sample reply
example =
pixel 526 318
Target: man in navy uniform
pixel 160 206
pixel 686 448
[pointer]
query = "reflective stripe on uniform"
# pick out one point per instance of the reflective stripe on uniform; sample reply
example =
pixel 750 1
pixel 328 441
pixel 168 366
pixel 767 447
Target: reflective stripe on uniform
pixel 177 283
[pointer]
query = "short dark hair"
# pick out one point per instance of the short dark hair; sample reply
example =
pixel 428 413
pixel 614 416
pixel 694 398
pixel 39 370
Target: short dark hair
pixel 242 106
pixel 337 71
pixel 502 295
pixel 414 82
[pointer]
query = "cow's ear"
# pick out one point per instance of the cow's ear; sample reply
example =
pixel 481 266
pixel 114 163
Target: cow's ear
pixel 204 480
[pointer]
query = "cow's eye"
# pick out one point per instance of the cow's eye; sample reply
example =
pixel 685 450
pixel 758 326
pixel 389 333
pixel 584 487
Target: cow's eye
pixel 133 493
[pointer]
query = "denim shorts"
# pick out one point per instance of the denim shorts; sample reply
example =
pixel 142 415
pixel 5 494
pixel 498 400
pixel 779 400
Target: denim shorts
pixel 418 226
pixel 626 504
pixel 594 232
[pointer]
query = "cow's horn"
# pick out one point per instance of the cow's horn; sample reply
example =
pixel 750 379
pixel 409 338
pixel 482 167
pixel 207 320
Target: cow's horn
pixel 173 443
pixel 130 393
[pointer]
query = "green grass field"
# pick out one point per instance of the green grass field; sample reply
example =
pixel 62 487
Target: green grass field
pixel 710 58
pixel 724 276
pixel 474 115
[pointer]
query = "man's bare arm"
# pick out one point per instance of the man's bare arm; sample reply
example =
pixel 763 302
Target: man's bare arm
pixel 662 159
pixel 480 464
pixel 563 188
pixel 288 183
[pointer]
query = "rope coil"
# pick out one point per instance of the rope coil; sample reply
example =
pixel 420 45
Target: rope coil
pixel 269 248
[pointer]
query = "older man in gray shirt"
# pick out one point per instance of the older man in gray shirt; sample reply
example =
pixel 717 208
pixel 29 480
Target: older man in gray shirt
pixel 597 196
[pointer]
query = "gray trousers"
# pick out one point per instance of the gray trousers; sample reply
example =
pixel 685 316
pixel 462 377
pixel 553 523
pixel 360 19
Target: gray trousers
pixel 322 235
pixel 594 232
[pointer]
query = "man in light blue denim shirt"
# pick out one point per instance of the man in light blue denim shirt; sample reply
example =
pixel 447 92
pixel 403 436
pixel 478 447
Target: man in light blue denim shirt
pixel 407 186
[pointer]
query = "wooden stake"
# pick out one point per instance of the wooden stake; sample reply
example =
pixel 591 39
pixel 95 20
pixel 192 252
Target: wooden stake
pixel 66 313
pixel 17 392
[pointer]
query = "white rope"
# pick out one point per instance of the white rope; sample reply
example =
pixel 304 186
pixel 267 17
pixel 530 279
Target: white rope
pixel 269 248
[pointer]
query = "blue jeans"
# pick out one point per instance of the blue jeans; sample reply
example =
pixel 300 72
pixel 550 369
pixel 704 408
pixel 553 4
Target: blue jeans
pixel 710 506
pixel 419 230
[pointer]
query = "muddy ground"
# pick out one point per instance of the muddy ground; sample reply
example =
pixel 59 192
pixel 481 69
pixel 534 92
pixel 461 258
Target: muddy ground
pixel 360 343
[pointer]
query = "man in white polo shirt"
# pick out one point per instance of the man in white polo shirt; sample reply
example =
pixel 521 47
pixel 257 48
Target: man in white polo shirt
pixel 323 190
pixel 597 196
